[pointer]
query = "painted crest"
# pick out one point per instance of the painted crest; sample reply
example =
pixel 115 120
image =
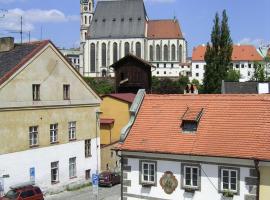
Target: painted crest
pixel 168 182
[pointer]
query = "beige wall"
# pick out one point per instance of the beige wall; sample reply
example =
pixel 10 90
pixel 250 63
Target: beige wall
pixel 265 183
pixel 119 111
pixel 109 157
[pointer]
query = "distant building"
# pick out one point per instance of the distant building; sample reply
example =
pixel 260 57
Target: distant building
pixel 111 123
pixel 196 147
pixel 48 118
pixel 245 88
pixel 73 55
pixel 131 74
pixel 243 58
pixel 120 27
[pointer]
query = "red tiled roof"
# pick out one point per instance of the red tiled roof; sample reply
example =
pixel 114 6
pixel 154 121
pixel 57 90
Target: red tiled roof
pixel 192 114
pixel 164 29
pixel 240 53
pixel 106 121
pixel 127 97
pixel 234 126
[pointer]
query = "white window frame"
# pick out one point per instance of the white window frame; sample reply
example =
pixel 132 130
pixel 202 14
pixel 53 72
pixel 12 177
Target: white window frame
pixel 87 148
pixel 191 177
pixel 72 130
pixel 229 179
pixel 148 181
pixel 55 166
pixel 54 133
pixel 33 136
pixel 72 167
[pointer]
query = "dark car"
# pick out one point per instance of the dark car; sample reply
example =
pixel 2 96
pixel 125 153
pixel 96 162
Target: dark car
pixel 109 178
pixel 23 192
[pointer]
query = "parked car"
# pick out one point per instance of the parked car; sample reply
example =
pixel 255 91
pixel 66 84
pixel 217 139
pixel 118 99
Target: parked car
pixel 23 192
pixel 109 178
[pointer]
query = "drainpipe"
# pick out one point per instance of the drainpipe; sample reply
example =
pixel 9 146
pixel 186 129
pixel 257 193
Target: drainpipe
pixel 121 161
pixel 256 162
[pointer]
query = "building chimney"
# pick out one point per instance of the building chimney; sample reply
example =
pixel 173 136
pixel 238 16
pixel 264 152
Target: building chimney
pixel 6 44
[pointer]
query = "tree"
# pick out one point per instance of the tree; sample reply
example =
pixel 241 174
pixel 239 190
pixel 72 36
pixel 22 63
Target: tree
pixel 259 73
pixel 100 86
pixel 218 55
pixel 233 75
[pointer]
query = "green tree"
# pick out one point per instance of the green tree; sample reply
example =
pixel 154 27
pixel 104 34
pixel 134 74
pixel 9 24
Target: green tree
pixel 100 86
pixel 233 75
pixel 259 73
pixel 218 55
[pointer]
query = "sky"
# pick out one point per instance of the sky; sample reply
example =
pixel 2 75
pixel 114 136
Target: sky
pixel 59 20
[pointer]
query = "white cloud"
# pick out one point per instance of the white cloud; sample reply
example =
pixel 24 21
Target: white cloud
pixel 256 42
pixel 32 17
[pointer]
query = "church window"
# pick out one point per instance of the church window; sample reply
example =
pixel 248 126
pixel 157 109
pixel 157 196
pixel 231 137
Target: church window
pixel 151 53
pixel 93 58
pixel 166 54
pixel 85 19
pixel 103 59
pixel 90 6
pixel 173 52
pixel 158 52
pixel 115 56
pixel 90 19
pixel 138 49
pixel 180 53
pixel 126 48
pixel 85 35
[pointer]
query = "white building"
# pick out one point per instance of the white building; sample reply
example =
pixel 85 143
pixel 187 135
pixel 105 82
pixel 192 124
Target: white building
pixel 50 131
pixel 243 58
pixel 121 27
pixel 74 56
pixel 195 147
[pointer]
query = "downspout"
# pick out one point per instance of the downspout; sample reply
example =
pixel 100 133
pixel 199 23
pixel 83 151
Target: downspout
pixel 121 161
pixel 256 162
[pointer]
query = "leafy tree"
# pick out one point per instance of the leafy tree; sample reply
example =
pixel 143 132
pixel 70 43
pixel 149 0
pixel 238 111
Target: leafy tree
pixel 259 73
pixel 100 86
pixel 218 55
pixel 233 75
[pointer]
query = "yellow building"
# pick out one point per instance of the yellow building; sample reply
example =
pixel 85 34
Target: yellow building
pixel 48 116
pixel 115 115
pixel 265 182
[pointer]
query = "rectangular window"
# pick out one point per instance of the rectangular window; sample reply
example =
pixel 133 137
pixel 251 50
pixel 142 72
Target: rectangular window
pixel 36 92
pixel 229 180
pixel 197 66
pixel 54 172
pixel 237 66
pixel 242 66
pixel 148 173
pixel 88 174
pixel 72 167
pixel 249 65
pixel 72 130
pixel 87 148
pixel 197 74
pixel 191 176
pixel 66 92
pixel 33 136
pixel 53 133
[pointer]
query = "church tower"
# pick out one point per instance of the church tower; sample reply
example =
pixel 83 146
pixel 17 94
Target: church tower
pixel 87 12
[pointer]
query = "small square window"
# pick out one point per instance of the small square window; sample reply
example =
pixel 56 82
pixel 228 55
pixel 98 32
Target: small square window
pixel 72 130
pixel 237 66
pixel 242 66
pixel 33 136
pixel 88 174
pixel 148 173
pixel 197 74
pixel 53 133
pixel 36 92
pixel 165 65
pixel 249 65
pixel 165 72
pixel 171 65
pixel 191 176
pixel 229 179
pixel 197 66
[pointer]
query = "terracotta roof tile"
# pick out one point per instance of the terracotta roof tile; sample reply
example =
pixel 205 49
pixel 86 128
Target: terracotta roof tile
pixel 231 126
pixel 164 29
pixel 240 53
pixel 127 97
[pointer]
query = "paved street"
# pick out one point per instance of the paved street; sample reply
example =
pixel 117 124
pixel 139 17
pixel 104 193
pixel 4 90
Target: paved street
pixel 105 193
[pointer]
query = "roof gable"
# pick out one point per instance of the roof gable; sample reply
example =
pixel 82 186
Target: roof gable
pixel 127 97
pixel 131 57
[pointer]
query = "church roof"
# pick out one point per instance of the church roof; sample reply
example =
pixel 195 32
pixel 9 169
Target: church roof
pixel 164 29
pixel 118 19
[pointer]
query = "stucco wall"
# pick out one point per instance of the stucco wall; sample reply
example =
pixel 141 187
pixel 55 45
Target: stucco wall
pixel 265 183
pixel 109 157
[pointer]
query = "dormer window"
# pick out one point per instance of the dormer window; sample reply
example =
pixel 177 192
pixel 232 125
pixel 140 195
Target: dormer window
pixel 191 119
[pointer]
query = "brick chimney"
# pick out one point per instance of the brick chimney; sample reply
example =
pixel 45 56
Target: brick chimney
pixel 6 44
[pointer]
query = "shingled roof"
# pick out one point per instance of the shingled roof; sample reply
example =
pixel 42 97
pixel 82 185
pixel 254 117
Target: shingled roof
pixel 118 19
pixel 164 29
pixel 11 61
pixel 240 53
pixel 232 126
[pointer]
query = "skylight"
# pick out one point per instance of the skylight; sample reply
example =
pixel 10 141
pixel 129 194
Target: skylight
pixel 191 119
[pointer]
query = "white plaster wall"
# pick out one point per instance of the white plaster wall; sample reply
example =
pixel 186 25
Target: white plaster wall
pixel 209 182
pixel 199 71
pixel 17 165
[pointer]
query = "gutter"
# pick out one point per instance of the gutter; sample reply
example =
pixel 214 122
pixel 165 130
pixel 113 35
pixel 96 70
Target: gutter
pixel 256 163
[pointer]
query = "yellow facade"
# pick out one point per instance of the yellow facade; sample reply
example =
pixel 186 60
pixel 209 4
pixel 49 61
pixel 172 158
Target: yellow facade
pixel 18 111
pixel 265 183
pixel 118 110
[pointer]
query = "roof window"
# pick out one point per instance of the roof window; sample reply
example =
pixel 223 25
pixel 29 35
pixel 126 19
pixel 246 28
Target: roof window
pixel 191 119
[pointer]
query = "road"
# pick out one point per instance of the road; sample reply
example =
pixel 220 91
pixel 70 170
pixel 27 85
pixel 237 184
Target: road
pixel 105 193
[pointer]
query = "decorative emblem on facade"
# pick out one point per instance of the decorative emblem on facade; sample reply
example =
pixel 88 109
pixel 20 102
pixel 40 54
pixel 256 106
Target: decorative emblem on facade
pixel 168 182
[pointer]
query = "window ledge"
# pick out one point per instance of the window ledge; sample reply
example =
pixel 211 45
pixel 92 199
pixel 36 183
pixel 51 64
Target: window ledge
pixel 145 184
pixel 54 142
pixel 34 146
pixel 73 177
pixel 190 189
pixel 88 156
pixel 228 193
pixel 72 140
pixel 55 183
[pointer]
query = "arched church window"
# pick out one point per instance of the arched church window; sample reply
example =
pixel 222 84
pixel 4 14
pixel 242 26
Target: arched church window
pixel 93 58
pixel 173 52
pixel 103 55
pixel 85 19
pixel 115 50
pixel 158 53
pixel 151 53
pixel 85 35
pixel 180 53
pixel 126 48
pixel 138 49
pixel 90 19
pixel 90 6
pixel 166 53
